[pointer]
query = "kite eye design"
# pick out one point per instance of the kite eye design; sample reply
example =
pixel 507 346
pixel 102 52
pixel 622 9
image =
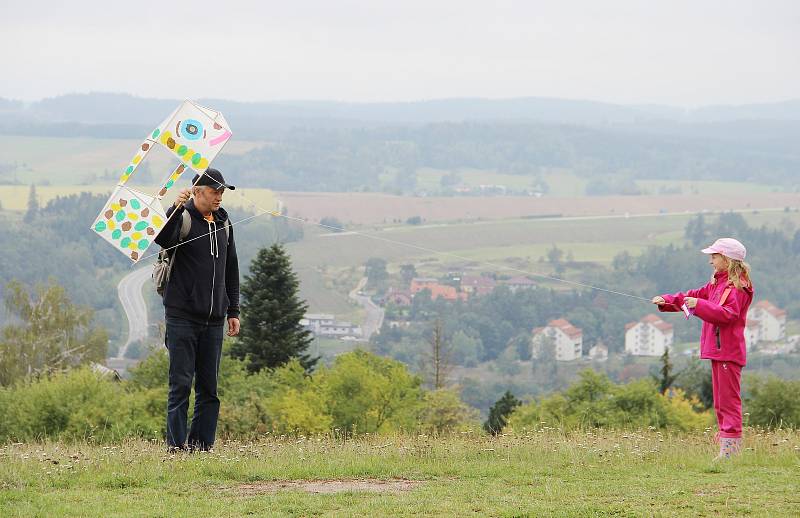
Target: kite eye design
pixel 190 129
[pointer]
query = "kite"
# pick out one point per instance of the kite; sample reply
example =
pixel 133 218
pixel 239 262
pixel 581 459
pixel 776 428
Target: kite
pixel 130 219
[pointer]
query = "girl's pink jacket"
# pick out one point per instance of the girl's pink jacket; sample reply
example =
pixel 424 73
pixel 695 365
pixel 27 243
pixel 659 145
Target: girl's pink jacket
pixel 730 318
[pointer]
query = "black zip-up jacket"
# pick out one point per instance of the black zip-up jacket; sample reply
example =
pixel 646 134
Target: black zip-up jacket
pixel 204 284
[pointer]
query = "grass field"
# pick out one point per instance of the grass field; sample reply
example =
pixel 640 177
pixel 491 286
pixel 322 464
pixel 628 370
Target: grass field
pixel 71 161
pixel 531 474
pixel 564 183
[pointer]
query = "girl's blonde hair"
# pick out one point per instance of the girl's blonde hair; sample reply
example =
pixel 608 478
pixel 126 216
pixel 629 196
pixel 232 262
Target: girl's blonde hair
pixel 739 273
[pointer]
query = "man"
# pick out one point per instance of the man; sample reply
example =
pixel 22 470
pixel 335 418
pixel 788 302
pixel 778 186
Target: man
pixel 203 290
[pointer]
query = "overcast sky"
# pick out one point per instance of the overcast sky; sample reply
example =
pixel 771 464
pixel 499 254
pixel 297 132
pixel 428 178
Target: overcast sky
pixel 678 52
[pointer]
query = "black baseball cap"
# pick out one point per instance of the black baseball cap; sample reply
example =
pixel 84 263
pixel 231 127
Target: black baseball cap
pixel 213 178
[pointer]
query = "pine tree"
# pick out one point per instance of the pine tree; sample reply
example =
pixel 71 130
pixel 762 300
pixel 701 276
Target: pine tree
pixel 667 378
pixel 271 333
pixel 498 414
pixel 33 205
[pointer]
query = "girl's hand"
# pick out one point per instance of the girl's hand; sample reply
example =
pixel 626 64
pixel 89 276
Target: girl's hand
pixel 658 300
pixel 691 302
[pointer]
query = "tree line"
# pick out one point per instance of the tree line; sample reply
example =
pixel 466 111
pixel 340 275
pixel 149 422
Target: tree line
pixel 387 158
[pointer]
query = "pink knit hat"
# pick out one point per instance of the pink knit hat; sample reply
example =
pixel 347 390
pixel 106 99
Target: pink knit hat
pixel 728 247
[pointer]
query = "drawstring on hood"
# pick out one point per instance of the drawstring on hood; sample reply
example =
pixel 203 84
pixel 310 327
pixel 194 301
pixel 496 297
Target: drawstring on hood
pixel 212 238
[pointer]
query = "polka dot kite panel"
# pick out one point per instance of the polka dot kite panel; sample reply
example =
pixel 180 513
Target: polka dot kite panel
pixel 131 220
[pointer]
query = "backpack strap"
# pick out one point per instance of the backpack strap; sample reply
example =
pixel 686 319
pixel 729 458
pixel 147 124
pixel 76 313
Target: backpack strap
pixel 186 224
pixel 725 295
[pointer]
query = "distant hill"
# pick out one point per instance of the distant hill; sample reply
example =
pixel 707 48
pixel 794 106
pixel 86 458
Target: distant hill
pixel 123 115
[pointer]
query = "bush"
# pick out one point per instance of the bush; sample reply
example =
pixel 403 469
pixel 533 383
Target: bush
pixel 78 405
pixel 774 403
pixel 595 402
pixel 444 412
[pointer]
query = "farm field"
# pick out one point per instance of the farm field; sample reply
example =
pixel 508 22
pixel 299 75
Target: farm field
pixel 15 197
pixel 563 183
pixel 322 257
pixel 81 160
pixel 381 209
pixel 543 472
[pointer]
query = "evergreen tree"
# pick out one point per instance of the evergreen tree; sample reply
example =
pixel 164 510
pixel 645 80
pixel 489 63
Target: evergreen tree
pixel 33 205
pixel 271 333
pixel 498 414
pixel 667 378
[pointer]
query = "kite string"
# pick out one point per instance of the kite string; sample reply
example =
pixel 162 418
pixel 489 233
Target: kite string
pixel 407 245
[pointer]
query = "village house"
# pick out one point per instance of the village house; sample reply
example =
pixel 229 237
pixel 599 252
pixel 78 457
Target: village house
pixel 520 283
pixel 398 297
pixel 599 352
pixel 771 319
pixel 752 331
pixel 437 290
pixel 477 285
pixel 650 336
pixel 567 338
pixel 325 325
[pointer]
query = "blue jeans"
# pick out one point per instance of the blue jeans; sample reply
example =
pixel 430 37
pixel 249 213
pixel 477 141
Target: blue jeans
pixel 194 352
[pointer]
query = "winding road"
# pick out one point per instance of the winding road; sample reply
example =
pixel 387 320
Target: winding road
pixel 130 295
pixel 374 318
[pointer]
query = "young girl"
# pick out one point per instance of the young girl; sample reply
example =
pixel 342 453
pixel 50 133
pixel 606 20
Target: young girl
pixel 722 305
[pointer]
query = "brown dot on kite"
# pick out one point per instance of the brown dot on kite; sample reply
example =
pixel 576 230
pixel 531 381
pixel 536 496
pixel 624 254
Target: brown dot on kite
pixel 109 214
pixel 145 212
pixel 170 142
pixel 150 231
pixel 145 146
pixel 181 168
pixel 134 256
pixel 162 192
pixel 122 202
pixel 126 226
pixel 217 126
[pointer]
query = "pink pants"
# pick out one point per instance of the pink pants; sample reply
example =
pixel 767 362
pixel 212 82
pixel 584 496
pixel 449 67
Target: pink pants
pixel 726 381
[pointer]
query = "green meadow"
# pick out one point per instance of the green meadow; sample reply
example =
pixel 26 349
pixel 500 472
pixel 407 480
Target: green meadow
pixel 537 473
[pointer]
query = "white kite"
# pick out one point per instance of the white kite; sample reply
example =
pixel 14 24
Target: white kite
pixel 131 219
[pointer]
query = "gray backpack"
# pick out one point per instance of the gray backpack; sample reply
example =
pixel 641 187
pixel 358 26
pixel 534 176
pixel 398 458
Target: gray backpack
pixel 166 258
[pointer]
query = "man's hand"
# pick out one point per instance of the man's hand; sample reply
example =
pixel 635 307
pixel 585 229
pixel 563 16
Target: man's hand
pixel 690 302
pixel 658 300
pixel 233 326
pixel 182 198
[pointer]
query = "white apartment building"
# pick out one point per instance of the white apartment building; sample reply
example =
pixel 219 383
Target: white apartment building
pixel 650 336
pixel 772 320
pixel 567 338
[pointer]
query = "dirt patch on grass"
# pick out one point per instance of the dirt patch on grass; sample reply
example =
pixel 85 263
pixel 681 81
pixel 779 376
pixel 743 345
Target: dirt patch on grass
pixel 329 486
pixel 714 491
